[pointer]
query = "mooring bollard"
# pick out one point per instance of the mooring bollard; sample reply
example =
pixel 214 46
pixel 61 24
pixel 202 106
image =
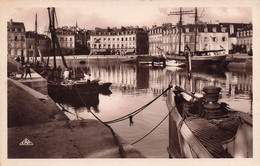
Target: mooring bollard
pixel 211 106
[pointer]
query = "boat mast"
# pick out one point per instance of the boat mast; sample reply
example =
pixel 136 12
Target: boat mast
pixel 180 26
pixel 53 43
pixel 196 21
pixel 180 22
pixel 54 38
pixel 36 44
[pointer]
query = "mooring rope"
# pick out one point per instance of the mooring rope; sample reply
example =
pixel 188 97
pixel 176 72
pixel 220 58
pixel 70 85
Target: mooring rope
pixel 120 148
pixel 138 110
pixel 153 128
pixel 69 111
pixel 123 118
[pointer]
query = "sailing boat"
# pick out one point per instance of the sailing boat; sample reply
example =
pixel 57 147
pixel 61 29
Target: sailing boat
pixel 198 58
pixel 172 62
pixel 83 86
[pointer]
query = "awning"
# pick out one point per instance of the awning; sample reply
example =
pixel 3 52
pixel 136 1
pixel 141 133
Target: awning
pixel 130 50
pixel 98 50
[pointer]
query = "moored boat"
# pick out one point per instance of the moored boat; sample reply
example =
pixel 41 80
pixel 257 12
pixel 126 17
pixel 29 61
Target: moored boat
pixel 80 87
pixel 200 127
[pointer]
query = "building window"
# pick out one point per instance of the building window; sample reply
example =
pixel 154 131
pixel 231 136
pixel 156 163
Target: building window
pixel 215 39
pixel 71 39
pixel 13 29
pixel 187 38
pixel 70 45
pixel 95 46
pixel 223 38
pixel 129 38
pixel 108 46
pixel 122 45
pixel 126 39
pixel 108 39
pixel 65 39
pixel 104 39
pixel 133 38
pixel 122 39
pixel 19 29
pixel 113 39
pixel 22 38
pixel 113 45
pixel 99 46
pixel 15 38
pixel 117 39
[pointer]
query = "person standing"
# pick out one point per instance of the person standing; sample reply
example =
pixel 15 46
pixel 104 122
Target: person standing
pixel 27 71
pixel 22 60
pixel 59 73
pixel 66 75
pixel 22 70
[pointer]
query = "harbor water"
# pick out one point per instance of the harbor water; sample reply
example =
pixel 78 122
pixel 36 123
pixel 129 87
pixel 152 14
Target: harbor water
pixel 133 86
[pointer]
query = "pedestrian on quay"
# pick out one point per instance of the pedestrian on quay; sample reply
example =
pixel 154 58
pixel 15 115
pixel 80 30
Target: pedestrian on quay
pixel 59 73
pixel 22 60
pixel 27 71
pixel 22 67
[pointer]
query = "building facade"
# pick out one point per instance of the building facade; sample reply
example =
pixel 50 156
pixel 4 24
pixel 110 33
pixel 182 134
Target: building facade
pixel 244 38
pixel 232 29
pixel 126 40
pixel 16 39
pixel 66 38
pixel 43 44
pixel 82 45
pixel 155 40
pixel 167 37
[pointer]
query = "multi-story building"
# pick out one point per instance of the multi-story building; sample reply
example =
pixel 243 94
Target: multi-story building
pixel 232 29
pixel 43 44
pixel 82 41
pixel 66 38
pixel 16 39
pixel 126 40
pixel 155 40
pixel 244 38
pixel 209 37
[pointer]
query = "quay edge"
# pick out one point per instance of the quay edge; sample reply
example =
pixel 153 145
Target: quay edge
pixel 35 116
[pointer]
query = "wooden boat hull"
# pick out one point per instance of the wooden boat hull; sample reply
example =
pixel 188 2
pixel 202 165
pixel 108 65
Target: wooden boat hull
pixel 195 137
pixel 82 88
pixel 208 60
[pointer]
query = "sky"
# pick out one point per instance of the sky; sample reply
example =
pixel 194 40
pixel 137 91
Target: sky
pixel 121 14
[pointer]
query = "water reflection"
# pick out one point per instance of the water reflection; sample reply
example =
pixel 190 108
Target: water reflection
pixel 87 101
pixel 129 78
pixel 133 86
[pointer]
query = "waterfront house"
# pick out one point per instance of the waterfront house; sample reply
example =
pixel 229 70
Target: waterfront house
pixel 209 37
pixel 244 38
pixel 124 40
pixel 15 39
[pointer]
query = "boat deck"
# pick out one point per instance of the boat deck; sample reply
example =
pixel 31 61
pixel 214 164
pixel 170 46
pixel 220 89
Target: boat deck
pixel 213 133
